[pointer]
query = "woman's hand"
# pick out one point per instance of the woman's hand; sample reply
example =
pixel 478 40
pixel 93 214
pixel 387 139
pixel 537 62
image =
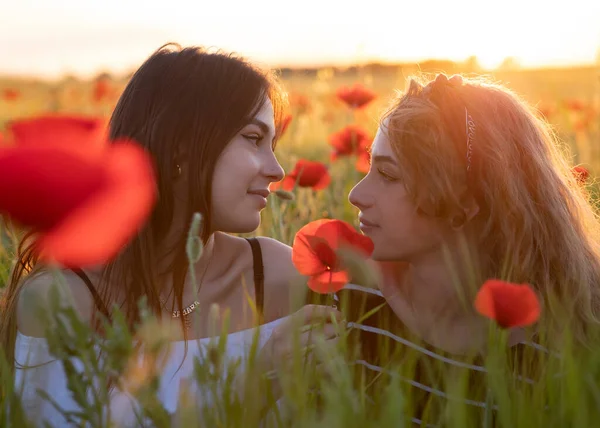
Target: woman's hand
pixel 298 333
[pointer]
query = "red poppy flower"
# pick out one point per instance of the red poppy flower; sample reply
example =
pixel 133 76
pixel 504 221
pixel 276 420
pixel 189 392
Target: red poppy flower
pixel 351 140
pixel 305 174
pixel 75 132
pixel 102 90
pixel 363 163
pixel 356 96
pixel 581 174
pixel 314 253
pixel 10 94
pixel 510 305
pixel 84 205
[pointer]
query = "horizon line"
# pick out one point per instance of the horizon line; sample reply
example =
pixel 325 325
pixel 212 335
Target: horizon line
pixel 308 66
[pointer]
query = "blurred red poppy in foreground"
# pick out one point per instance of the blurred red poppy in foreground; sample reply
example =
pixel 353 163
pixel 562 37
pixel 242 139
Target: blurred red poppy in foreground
pixel 510 305
pixel 581 174
pixel 85 205
pixel 73 132
pixel 356 96
pixel 305 174
pixel 314 253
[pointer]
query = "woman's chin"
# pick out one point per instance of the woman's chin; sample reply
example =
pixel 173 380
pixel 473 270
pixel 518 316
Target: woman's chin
pixel 248 225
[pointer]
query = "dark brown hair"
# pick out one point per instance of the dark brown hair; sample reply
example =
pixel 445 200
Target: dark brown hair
pixel 181 103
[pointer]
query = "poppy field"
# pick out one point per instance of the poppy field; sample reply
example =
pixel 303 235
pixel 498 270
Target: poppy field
pixel 57 129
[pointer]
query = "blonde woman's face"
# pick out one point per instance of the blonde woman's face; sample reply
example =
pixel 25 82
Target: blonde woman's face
pixel 387 213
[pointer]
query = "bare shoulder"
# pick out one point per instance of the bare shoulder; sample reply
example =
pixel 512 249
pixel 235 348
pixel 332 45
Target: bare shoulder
pixel 283 283
pixel 280 276
pixel 35 295
pixel 232 251
pixel 277 259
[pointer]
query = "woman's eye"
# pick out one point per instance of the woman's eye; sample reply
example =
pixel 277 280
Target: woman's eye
pixel 256 138
pixel 385 175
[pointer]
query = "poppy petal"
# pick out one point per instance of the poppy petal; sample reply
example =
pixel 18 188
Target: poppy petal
pixel 363 163
pixel 306 261
pixel 315 245
pixel 76 132
pixel 322 182
pixel 328 282
pixel 581 174
pixel 510 305
pixel 304 258
pixel 340 234
pixel 321 248
pixel 288 183
pixel 40 185
pixel 98 230
pixel 351 139
pixel 275 186
pixel 356 96
pixel 311 174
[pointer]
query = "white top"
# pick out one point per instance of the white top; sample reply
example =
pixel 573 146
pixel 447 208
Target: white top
pixel 50 376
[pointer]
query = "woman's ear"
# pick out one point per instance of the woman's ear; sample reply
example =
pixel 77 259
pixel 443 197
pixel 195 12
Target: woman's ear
pixel 469 209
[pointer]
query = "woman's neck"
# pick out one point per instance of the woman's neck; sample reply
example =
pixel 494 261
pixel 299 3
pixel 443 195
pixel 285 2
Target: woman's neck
pixel 200 272
pixel 435 301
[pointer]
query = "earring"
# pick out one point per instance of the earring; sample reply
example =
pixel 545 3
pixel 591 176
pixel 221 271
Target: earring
pixel 178 169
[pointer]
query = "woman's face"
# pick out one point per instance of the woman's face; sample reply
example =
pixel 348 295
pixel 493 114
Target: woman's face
pixel 242 175
pixel 388 214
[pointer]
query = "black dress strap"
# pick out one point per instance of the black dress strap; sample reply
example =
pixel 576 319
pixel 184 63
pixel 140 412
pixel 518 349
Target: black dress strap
pixel 259 277
pixel 97 299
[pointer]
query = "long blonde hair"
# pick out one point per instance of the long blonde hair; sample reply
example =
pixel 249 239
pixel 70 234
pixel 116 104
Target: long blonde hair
pixel 536 224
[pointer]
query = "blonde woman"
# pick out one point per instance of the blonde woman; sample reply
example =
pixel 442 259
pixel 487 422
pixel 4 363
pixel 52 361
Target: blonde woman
pixel 466 184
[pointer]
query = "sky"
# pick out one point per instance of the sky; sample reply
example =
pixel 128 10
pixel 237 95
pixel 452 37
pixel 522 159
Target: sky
pixel 50 38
